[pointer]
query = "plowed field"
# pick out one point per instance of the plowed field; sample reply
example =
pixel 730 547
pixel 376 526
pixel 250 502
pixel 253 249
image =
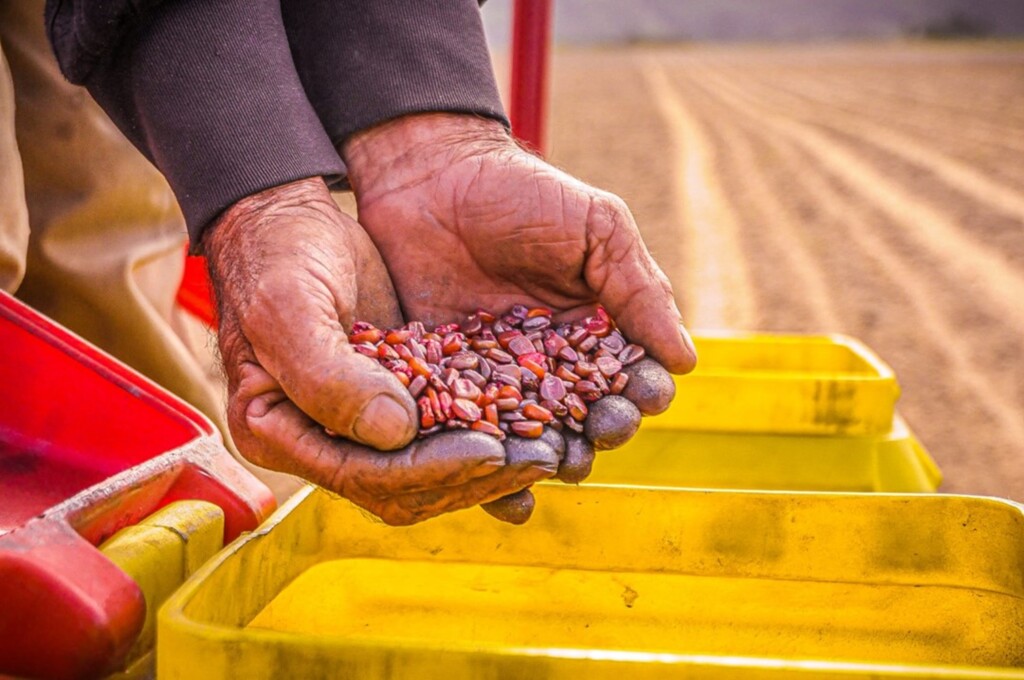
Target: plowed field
pixel 871 190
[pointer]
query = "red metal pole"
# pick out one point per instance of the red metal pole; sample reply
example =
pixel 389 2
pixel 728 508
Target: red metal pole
pixel 531 41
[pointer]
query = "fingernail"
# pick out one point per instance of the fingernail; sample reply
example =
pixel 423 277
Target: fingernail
pixel 383 423
pixel 258 407
pixel 687 340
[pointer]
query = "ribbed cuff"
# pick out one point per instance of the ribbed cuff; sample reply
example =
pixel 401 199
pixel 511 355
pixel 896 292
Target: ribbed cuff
pixel 209 91
pixel 363 63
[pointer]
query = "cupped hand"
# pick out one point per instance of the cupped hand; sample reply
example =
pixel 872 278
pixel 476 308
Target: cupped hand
pixel 291 273
pixel 464 218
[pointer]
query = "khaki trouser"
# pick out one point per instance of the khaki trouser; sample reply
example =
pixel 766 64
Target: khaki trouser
pixel 90 234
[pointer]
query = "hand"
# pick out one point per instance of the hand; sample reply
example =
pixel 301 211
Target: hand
pixel 291 273
pixel 464 218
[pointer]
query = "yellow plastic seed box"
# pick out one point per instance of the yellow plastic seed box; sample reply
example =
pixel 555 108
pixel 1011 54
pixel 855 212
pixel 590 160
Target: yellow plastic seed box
pixel 783 384
pixel 893 462
pixel 615 582
pixel 159 553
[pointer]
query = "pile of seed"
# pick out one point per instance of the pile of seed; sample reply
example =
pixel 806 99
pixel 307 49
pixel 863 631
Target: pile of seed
pixel 513 373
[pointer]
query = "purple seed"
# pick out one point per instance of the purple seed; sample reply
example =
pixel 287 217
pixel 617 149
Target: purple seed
pixel 631 354
pixel 552 388
pixel 608 366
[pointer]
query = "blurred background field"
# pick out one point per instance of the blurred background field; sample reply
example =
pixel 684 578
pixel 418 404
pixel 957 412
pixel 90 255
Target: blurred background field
pixel 850 167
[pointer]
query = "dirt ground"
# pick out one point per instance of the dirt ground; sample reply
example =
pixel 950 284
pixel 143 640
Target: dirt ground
pixel 876 191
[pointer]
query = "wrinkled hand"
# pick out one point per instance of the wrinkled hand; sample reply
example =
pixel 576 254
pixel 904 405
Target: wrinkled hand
pixel 464 218
pixel 291 273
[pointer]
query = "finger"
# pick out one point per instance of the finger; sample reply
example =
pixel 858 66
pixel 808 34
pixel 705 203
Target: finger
pixel 290 441
pixel 650 387
pixel 611 422
pixel 514 509
pixel 301 342
pixel 527 461
pixel 555 440
pixel 578 461
pixel 632 287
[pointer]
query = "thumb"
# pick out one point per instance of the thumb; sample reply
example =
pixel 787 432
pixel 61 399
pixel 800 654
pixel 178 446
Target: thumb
pixel 306 349
pixel 633 288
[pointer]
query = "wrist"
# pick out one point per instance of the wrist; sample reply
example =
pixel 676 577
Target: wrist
pixel 422 143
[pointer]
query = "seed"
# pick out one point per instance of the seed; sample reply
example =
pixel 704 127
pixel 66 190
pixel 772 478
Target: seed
pixel 466 410
pixel 500 356
pixel 565 374
pixel 536 323
pixel 505 338
pixel 507 374
pixel 507 404
pixel 472 325
pixel 445 401
pixel 464 360
pixel 464 389
pixel 494 373
pixel 577 336
pixel 568 354
pixel 491 413
pixel 530 382
pixel 587 390
pixel 452 344
pixel 599 327
pixel 553 344
pixel 403 352
pixel 533 367
pixel 631 354
pixel 520 345
pixel 488 427
pixel 619 383
pixel 530 429
pixel 426 413
pixel 537 412
pixel 433 351
pixel 482 344
pixel 417 385
pixel 416 329
pixel 536 357
pixel 397 337
pixel 577 409
pixel 474 377
pixel 509 392
pixel 614 343
pixel 435 382
pixel 366 349
pixel 552 388
pixel 417 349
pixel 556 407
pixel 608 366
pixel 371 335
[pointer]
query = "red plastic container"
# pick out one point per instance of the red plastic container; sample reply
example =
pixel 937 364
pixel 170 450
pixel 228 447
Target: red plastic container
pixel 88 446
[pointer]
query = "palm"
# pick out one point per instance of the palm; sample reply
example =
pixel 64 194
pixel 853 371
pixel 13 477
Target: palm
pixel 486 233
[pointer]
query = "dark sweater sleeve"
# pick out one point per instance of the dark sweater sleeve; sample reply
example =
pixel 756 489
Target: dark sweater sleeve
pixel 363 63
pixel 207 90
